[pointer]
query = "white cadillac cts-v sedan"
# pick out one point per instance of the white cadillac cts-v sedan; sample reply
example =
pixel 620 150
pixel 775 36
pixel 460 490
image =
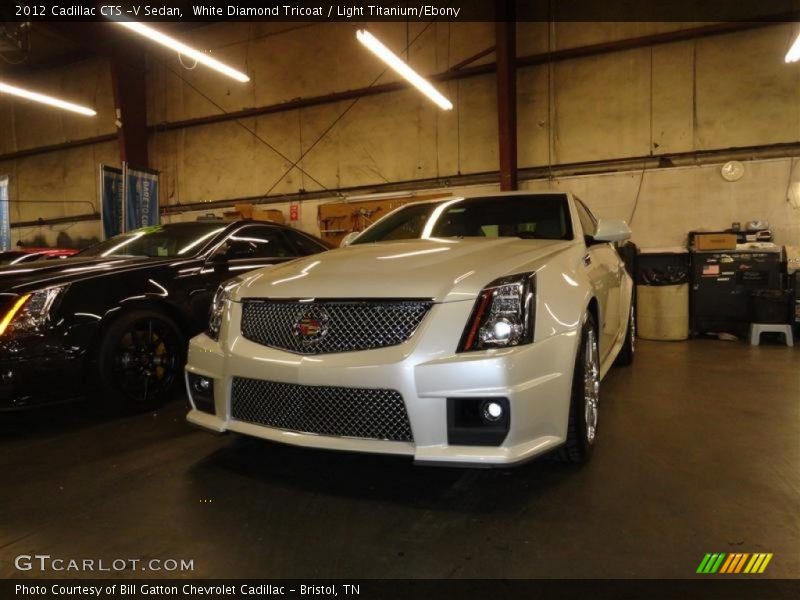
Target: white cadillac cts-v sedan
pixel 470 331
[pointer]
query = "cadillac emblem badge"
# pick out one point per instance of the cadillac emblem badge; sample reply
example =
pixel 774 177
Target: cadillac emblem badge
pixel 311 326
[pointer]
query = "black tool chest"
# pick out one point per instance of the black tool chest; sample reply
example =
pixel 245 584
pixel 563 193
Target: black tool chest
pixel 722 285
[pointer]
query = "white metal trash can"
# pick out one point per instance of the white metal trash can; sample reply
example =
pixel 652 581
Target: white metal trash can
pixel 662 293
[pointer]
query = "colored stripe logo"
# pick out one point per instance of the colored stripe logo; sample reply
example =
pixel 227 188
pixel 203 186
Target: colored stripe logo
pixel 731 564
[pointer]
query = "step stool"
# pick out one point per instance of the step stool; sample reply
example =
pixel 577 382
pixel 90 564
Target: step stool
pixel 756 329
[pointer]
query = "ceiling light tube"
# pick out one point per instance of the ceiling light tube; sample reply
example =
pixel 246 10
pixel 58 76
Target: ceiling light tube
pixel 181 48
pixel 401 68
pixel 793 55
pixel 45 99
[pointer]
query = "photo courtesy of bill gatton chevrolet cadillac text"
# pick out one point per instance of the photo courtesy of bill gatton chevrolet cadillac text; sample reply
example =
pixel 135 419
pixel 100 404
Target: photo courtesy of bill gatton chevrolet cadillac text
pixel 467 331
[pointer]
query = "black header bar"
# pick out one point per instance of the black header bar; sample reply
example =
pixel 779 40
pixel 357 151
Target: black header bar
pixel 730 588
pixel 400 10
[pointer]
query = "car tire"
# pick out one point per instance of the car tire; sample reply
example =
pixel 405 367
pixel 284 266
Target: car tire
pixel 582 424
pixel 138 363
pixel 626 353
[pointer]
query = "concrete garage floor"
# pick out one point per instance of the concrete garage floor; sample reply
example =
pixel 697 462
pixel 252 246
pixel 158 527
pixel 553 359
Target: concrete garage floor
pixel 699 452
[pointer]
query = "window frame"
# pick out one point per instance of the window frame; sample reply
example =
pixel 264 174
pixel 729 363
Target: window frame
pixel 278 230
pixel 288 233
pixel 579 204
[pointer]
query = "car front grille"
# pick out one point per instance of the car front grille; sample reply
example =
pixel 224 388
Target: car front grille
pixel 337 411
pixel 323 327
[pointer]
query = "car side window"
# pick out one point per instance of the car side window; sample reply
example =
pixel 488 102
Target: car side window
pixel 266 241
pixel 587 219
pixel 304 244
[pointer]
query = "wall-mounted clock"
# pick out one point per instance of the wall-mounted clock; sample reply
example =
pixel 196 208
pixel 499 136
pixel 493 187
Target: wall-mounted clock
pixel 732 170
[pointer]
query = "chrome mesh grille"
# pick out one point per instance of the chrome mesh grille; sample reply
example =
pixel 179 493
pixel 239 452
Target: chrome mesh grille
pixel 324 327
pixel 338 411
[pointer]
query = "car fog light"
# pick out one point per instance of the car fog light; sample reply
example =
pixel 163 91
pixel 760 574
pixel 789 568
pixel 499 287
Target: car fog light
pixel 202 384
pixel 478 421
pixel 492 411
pixel 201 390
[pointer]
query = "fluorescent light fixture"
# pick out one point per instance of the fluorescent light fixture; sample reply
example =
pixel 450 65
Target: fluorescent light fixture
pixel 182 48
pixel 401 68
pixel 793 55
pixel 44 99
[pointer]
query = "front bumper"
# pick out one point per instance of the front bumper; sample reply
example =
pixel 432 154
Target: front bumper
pixel 536 379
pixel 38 370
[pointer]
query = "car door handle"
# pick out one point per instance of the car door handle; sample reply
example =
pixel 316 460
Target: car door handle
pixel 587 259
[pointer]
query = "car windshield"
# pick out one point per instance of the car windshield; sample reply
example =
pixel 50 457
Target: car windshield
pixel 541 216
pixel 159 241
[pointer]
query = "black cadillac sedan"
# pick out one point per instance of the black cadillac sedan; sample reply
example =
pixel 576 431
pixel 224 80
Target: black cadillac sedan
pixel 114 321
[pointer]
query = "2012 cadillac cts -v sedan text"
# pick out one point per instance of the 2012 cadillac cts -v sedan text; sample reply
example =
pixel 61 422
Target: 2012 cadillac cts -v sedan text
pixel 471 331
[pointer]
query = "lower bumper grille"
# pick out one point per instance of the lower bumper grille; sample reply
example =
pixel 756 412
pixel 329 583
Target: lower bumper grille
pixel 337 411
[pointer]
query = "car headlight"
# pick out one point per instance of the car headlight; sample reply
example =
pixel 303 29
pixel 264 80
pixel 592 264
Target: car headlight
pixel 30 313
pixel 218 305
pixel 504 314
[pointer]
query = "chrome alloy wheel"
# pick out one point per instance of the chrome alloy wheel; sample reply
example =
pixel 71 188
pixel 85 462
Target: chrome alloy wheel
pixel 591 384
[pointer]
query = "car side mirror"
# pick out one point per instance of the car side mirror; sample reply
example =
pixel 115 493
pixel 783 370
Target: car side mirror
pixel 612 230
pixel 349 239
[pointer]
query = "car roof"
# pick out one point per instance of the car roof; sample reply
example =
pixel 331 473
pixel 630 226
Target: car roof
pixel 488 195
pixel 233 225
pixel 227 224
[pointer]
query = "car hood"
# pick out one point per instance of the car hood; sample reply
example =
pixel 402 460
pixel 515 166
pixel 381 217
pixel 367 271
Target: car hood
pixel 444 270
pixel 46 273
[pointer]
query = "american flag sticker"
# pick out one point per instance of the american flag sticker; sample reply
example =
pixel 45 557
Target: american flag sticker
pixel 710 270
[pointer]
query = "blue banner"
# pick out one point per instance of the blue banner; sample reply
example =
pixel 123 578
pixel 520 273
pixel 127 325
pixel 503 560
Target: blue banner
pixel 141 198
pixel 111 207
pixel 5 219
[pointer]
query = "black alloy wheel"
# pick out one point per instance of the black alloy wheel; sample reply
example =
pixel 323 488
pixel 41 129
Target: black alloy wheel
pixel 140 360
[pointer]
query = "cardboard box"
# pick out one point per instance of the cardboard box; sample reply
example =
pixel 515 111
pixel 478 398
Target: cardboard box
pixel 269 214
pixel 248 211
pixel 715 241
